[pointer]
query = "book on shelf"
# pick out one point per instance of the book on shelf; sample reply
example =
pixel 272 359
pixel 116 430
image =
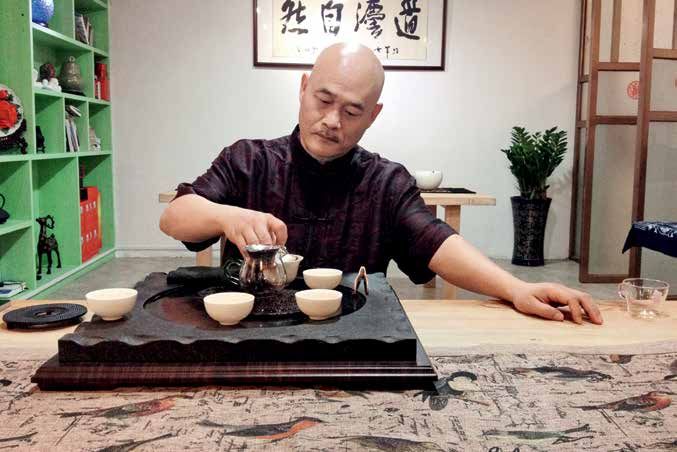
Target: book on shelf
pixel 72 135
pixel 84 31
pixel 10 288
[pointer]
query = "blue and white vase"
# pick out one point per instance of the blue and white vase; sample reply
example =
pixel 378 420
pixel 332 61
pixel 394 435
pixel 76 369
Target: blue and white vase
pixel 43 10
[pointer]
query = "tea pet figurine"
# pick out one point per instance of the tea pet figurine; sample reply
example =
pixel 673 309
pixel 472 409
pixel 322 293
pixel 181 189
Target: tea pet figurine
pixel 47 244
pixel 39 140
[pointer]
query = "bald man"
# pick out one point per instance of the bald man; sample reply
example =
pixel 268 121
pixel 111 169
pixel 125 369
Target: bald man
pixel 326 198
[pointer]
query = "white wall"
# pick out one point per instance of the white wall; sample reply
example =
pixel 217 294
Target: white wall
pixel 184 86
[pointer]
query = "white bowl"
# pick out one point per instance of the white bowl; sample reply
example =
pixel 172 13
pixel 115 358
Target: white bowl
pixel 428 180
pixel 319 304
pixel 111 304
pixel 291 265
pixel 228 308
pixel 322 278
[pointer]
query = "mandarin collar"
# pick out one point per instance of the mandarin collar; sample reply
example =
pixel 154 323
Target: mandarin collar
pixel 308 162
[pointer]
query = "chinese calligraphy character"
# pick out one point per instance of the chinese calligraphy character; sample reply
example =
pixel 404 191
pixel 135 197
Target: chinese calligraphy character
pixel 289 9
pixel 410 12
pixel 331 17
pixel 372 16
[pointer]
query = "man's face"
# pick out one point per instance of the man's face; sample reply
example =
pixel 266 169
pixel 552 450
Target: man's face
pixel 335 112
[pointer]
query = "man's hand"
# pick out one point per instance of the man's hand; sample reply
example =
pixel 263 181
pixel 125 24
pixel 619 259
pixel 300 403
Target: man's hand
pixel 246 227
pixel 536 299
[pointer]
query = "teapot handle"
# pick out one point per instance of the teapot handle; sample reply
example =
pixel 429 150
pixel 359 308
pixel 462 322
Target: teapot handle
pixel 231 270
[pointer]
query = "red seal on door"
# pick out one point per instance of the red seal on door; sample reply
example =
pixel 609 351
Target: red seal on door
pixel 633 90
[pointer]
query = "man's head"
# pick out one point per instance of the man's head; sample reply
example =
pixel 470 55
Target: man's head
pixel 339 100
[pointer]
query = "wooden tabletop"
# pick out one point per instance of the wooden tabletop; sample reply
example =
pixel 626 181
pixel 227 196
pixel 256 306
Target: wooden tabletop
pixel 436 199
pixel 456 324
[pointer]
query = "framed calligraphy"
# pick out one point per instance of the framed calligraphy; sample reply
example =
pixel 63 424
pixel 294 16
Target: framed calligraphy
pixel 404 34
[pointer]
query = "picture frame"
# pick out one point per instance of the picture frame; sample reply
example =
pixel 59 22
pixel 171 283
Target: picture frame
pixel 404 35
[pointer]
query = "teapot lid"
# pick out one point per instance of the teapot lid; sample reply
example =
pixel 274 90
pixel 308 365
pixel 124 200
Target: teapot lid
pixel 262 250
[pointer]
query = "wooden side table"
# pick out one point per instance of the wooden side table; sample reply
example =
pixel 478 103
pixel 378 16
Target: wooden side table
pixel 452 203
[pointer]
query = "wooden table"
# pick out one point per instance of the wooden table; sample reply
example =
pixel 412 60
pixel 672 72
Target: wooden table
pixel 451 202
pixel 444 325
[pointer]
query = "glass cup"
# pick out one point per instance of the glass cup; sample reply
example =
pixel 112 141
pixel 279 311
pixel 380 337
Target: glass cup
pixel 643 296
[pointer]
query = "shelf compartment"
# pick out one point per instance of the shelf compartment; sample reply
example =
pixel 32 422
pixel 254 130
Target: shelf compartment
pixel 55 193
pixel 61 22
pixel 100 120
pixel 98 172
pixel 15 185
pixel 17 257
pixel 53 51
pixel 49 114
pixel 47 37
pixel 81 123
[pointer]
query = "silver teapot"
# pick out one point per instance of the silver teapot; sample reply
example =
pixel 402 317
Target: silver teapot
pixel 261 271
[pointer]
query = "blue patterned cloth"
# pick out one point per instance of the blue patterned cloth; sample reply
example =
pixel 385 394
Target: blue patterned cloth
pixel 659 236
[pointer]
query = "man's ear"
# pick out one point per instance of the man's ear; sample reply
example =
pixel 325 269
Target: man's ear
pixel 374 113
pixel 304 84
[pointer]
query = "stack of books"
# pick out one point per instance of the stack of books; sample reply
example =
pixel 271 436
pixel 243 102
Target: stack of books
pixel 72 141
pixel 84 31
pixel 10 288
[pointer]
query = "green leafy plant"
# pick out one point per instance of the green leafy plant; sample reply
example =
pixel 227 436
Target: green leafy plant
pixel 534 157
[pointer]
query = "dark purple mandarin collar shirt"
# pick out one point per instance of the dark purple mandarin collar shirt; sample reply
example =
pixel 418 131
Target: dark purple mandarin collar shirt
pixel 359 209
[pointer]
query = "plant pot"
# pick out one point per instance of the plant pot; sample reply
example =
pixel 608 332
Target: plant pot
pixel 529 219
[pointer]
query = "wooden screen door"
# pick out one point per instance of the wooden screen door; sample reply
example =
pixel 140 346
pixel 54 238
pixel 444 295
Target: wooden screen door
pixel 625 145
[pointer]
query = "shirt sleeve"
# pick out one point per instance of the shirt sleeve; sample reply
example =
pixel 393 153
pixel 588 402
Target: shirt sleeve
pixel 220 184
pixel 418 233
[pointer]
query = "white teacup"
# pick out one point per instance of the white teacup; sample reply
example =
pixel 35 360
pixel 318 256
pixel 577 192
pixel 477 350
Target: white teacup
pixel 111 304
pixel 428 180
pixel 319 304
pixel 228 308
pixel 291 264
pixel 322 278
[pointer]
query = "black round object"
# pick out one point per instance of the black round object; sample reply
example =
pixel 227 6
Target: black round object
pixel 44 315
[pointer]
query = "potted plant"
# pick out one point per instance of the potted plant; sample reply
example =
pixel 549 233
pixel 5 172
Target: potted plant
pixel 533 158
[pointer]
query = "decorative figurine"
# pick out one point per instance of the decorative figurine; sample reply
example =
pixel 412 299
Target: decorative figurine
pixel 71 77
pixel 12 121
pixel 47 244
pixel 4 215
pixel 47 71
pixel 42 11
pixel 39 140
pixel 94 141
pixel 36 78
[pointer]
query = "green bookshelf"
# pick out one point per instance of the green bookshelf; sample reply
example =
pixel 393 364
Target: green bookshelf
pixel 38 184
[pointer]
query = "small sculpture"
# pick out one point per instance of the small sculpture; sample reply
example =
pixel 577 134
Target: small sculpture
pixel 47 244
pixel 42 11
pixel 94 141
pixel 71 76
pixel 47 71
pixel 52 84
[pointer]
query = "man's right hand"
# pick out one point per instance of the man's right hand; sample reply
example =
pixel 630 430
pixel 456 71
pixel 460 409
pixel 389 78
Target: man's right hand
pixel 247 227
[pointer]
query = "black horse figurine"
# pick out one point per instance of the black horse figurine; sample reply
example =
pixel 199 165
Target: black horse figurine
pixel 47 244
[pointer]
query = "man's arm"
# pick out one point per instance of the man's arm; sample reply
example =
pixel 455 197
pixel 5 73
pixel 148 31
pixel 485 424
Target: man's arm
pixel 461 264
pixel 192 218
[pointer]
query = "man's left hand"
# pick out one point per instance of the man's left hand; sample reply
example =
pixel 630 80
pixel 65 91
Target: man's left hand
pixel 537 298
